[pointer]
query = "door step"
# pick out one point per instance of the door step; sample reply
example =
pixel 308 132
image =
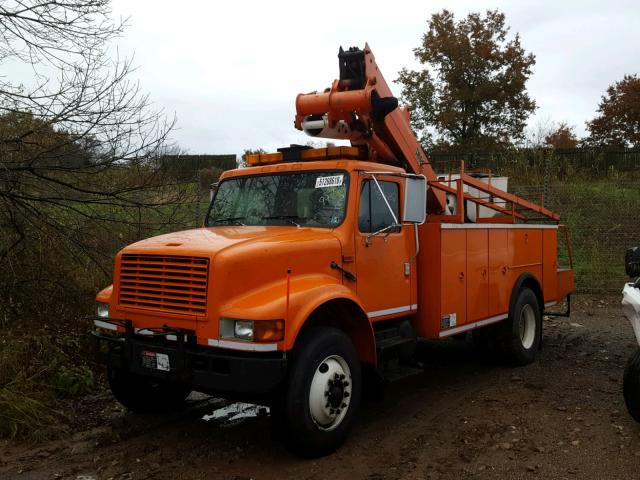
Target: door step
pixel 391 344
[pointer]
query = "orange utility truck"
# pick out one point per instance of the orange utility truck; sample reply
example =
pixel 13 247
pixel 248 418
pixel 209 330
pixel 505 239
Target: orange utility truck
pixel 316 266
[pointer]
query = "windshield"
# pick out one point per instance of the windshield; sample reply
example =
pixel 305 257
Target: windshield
pixel 308 199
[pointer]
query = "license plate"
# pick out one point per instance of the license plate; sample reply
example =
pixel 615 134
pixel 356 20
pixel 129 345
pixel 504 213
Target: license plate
pixel 155 360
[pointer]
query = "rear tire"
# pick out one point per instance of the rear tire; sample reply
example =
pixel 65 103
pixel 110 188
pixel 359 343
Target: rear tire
pixel 521 334
pixel 146 395
pixel 322 395
pixel 631 386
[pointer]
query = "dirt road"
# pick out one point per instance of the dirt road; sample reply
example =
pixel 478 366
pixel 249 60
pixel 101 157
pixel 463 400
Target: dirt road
pixel 464 417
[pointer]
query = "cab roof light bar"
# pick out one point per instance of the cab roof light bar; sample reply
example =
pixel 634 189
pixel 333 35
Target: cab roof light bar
pixel 301 153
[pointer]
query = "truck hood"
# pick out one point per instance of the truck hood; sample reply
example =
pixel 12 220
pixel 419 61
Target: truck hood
pixel 210 241
pixel 249 268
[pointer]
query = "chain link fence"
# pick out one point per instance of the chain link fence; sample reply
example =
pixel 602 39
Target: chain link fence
pixel 602 217
pixel 562 162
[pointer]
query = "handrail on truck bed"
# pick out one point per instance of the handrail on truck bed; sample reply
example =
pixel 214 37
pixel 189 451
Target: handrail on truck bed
pixel 493 201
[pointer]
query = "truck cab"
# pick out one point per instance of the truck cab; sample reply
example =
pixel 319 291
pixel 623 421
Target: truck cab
pixel 286 248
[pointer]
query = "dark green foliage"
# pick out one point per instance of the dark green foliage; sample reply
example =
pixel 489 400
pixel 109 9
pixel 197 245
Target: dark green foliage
pixel 74 381
pixel 471 92
pixel 617 123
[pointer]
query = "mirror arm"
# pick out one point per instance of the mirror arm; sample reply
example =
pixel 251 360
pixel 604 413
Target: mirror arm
pixel 386 202
pixel 382 230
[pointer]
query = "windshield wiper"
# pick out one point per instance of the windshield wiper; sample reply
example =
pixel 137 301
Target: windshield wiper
pixel 230 219
pixel 284 217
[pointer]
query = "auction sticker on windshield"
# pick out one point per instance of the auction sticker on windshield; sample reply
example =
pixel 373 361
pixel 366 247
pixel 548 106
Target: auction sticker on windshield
pixel 332 181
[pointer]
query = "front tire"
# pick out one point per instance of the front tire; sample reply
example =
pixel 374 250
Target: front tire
pixel 322 393
pixel 521 333
pixel 631 386
pixel 146 395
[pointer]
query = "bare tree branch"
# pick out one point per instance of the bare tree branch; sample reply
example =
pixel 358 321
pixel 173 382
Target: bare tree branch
pixel 79 145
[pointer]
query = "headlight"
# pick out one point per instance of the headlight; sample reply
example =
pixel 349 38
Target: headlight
pixel 244 329
pixel 252 330
pixel 103 310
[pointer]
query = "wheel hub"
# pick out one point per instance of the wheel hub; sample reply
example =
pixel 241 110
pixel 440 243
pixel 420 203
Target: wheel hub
pixel 527 326
pixel 330 392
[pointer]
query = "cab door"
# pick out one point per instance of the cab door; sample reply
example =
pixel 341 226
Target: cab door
pixel 384 275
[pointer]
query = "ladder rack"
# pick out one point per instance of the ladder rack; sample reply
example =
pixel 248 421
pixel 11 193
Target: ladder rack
pixel 496 200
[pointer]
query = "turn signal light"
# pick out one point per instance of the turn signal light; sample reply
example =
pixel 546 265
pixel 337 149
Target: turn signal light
pixel 268 330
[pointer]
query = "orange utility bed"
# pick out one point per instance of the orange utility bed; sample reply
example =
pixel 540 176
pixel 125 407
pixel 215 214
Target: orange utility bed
pixel 466 273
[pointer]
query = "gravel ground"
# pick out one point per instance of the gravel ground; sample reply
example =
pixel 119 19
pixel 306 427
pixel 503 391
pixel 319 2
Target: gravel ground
pixel 463 417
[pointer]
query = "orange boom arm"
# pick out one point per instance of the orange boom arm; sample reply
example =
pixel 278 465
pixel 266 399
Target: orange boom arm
pixel 360 107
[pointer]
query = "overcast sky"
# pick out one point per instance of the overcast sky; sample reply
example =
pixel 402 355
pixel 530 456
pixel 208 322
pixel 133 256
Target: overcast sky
pixel 231 70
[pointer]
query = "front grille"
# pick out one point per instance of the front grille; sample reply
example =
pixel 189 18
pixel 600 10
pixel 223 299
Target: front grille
pixel 162 282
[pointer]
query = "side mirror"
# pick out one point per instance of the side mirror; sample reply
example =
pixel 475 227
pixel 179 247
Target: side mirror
pixel 415 200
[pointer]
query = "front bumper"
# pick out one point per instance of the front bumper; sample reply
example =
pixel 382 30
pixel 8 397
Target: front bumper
pixel 205 369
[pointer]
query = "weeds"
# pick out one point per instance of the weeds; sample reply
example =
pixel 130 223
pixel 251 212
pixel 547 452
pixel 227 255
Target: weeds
pixel 35 373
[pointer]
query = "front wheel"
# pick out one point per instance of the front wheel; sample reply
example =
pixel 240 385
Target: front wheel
pixel 322 393
pixel 631 386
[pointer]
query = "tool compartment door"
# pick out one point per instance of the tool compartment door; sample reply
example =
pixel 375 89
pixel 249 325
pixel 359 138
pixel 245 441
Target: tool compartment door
pixel 453 277
pixel 498 271
pixel 478 274
pixel 525 251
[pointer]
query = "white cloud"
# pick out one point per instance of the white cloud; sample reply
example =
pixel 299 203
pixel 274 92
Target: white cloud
pixel 231 70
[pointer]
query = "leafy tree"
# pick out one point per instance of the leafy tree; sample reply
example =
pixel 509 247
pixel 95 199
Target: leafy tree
pixel 471 92
pixel 562 137
pixel 617 123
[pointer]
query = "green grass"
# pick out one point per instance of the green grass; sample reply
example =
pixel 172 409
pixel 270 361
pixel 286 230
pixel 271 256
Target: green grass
pixel 602 217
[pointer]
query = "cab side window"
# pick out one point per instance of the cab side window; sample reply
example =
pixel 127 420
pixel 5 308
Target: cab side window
pixel 374 215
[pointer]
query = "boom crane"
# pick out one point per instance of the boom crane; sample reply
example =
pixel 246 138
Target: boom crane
pixel 360 107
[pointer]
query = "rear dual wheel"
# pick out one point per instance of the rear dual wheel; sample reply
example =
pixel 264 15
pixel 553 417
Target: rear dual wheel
pixel 518 338
pixel 522 332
